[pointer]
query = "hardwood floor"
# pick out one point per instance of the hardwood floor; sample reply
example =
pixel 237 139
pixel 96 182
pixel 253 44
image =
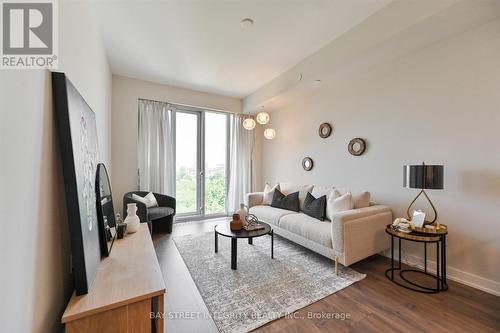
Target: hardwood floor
pixel 373 304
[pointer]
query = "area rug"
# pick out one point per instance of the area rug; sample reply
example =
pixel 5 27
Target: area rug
pixel 261 289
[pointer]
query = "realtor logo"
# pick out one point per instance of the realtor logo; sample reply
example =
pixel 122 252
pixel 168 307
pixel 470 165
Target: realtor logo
pixel 29 34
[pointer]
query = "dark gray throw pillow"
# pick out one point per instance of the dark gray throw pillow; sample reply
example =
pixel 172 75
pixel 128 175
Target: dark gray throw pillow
pixel 289 202
pixel 315 207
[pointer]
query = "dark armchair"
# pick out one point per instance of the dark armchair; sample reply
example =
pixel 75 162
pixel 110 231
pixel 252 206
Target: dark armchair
pixel 159 218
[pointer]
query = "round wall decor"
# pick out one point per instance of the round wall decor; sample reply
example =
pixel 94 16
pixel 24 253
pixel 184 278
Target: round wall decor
pixel 325 130
pixel 357 146
pixel 307 163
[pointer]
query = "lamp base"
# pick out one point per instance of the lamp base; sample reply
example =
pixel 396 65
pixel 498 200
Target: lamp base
pixel 426 222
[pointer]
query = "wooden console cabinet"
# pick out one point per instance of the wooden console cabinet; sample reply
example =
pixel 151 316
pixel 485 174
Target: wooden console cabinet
pixel 127 288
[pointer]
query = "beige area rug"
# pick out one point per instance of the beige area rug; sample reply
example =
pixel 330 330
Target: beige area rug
pixel 262 289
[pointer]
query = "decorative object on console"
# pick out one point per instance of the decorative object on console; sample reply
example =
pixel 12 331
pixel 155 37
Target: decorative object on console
pixel 121 230
pixel 132 220
pixel 288 202
pixel 418 219
pixel 105 210
pixel 357 146
pixel 307 163
pixel 402 224
pixel 77 131
pixel 325 130
pixel 423 177
pixel 236 224
pixel 315 207
pixel 269 133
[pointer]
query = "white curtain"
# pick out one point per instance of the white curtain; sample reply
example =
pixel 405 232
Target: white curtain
pixel 155 148
pixel 241 162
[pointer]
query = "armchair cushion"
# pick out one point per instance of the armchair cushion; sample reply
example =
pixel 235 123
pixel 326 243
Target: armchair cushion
pixel 155 213
pixel 149 200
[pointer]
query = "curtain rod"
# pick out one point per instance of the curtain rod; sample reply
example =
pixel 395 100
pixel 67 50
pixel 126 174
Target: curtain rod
pixel 189 106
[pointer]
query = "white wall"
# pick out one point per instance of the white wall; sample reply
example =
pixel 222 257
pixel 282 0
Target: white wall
pixel 35 283
pixel 126 92
pixel 439 104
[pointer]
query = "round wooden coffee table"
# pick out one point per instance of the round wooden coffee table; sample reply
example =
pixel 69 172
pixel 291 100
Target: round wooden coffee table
pixel 224 230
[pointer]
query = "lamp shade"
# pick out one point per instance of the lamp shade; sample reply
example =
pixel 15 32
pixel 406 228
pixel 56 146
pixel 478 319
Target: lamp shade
pixel 423 176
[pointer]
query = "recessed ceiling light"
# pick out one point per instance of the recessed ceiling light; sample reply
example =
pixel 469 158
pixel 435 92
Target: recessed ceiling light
pixel 299 77
pixel 246 23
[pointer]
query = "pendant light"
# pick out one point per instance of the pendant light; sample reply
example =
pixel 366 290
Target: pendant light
pixel 249 124
pixel 263 117
pixel 269 133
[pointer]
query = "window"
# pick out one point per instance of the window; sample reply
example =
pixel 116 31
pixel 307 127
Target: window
pixel 201 155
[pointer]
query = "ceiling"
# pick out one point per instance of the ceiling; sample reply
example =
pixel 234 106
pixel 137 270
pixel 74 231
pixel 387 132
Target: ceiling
pixel 199 44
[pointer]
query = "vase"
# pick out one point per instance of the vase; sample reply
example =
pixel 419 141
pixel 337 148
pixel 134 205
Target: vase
pixel 243 213
pixel 236 224
pixel 132 219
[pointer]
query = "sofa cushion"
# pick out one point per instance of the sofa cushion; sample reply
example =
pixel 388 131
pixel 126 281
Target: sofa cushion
pixel 336 204
pixel 269 214
pixel 319 191
pixel 358 199
pixel 267 197
pixel 308 227
pixel 156 213
pixel 287 188
pixel 315 207
pixel 290 201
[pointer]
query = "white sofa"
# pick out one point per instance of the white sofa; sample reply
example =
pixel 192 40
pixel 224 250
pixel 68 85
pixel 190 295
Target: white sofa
pixel 350 236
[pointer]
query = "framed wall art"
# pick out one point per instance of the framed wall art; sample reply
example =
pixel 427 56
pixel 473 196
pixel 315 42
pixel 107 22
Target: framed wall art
pixel 76 125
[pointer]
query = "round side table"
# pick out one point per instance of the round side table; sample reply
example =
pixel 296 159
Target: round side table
pixel 425 236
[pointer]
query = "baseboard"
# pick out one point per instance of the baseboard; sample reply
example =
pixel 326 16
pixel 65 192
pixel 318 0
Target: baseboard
pixel 454 274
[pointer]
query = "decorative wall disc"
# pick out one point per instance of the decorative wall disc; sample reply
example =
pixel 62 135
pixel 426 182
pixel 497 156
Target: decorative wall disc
pixel 307 163
pixel 357 146
pixel 325 130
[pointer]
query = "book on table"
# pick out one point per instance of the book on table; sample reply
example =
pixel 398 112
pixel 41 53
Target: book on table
pixel 253 227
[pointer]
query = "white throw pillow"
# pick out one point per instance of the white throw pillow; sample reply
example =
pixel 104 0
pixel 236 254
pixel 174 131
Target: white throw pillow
pixel 150 197
pixel 267 198
pixel 319 191
pixel 359 200
pixel 147 200
pixel 337 204
pixel 287 188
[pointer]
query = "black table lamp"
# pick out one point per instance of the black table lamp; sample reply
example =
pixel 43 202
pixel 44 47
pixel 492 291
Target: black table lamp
pixel 423 177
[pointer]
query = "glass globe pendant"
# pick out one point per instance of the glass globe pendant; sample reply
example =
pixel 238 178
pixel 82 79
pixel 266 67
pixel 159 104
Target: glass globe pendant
pixel 263 118
pixel 249 124
pixel 269 133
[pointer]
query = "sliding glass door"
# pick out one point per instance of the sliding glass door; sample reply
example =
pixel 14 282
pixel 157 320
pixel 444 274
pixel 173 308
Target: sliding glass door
pixel 201 155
